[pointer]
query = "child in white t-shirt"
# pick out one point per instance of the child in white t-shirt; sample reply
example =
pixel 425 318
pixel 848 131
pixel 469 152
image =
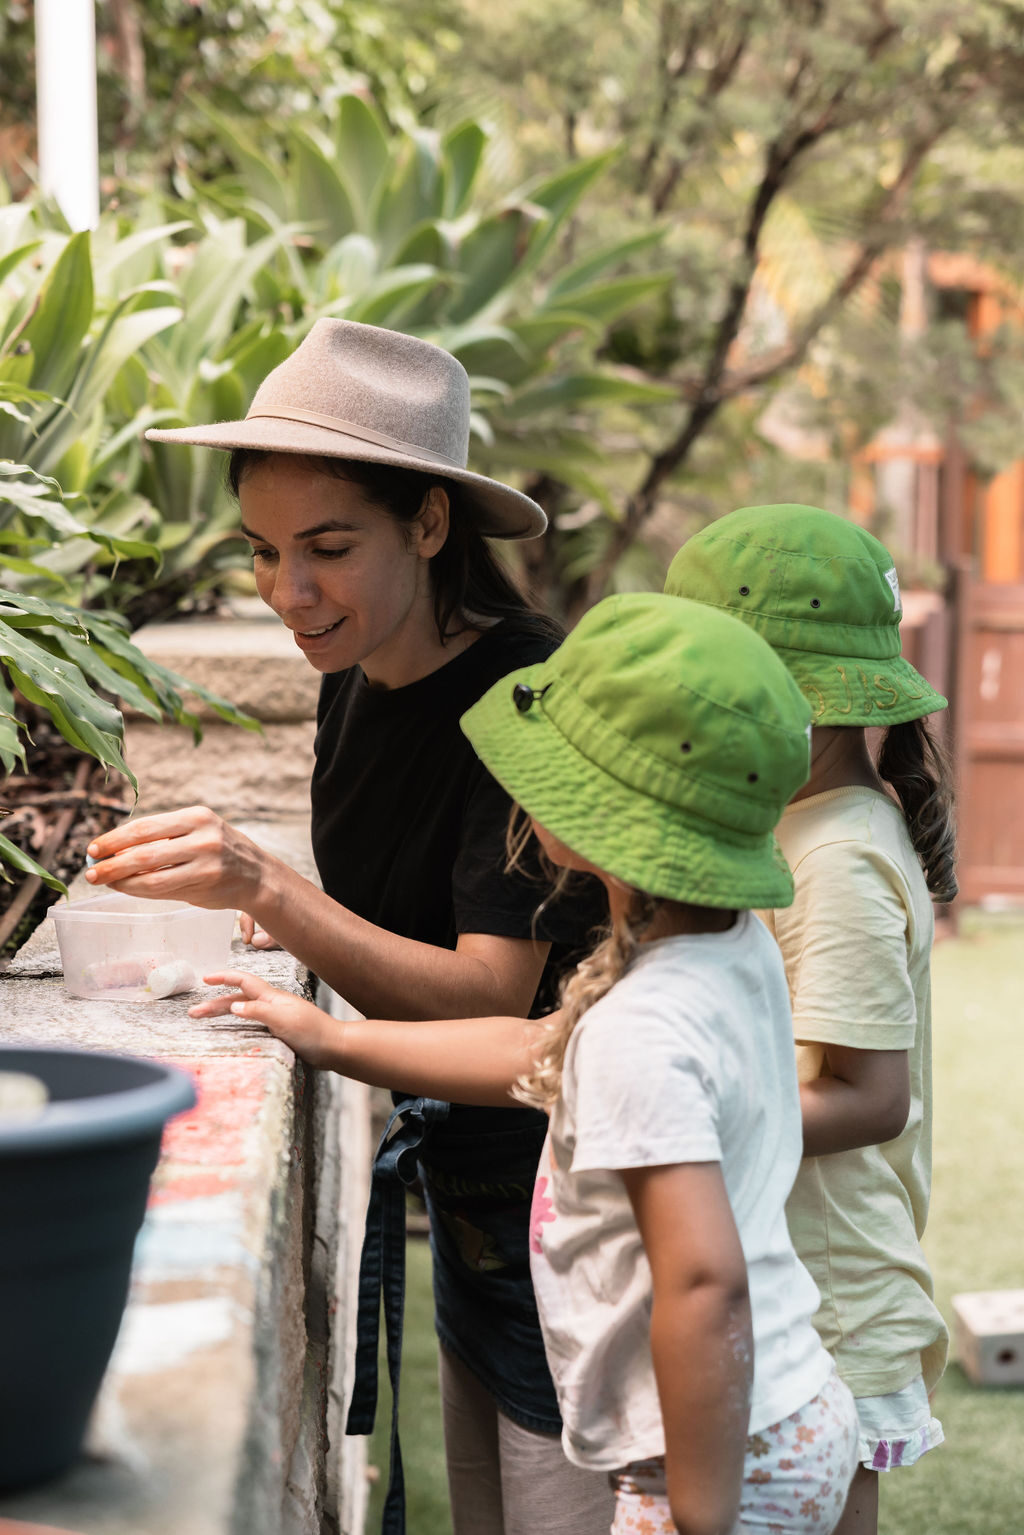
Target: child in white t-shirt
pixel 856 943
pixel 656 749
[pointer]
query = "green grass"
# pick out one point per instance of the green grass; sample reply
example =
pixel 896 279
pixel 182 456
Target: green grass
pixel 975 1238
pixel 973 1485
pixel 426 1482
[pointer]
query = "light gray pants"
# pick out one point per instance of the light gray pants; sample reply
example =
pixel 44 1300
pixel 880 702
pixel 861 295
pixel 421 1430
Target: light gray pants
pixel 504 1479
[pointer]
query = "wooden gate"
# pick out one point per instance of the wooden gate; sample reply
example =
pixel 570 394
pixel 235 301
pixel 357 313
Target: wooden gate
pixel 988 731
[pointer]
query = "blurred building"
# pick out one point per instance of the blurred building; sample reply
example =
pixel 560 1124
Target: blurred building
pixel 967 636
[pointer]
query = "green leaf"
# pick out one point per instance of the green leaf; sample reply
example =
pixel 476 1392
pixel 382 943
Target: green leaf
pixel 14 391
pixel 262 176
pixel 488 258
pixel 559 194
pixel 62 317
pixel 128 436
pixel 12 748
pixel 126 249
pixel 14 258
pixel 362 150
pixel 122 336
pixel 573 390
pixel 463 149
pixel 393 294
pixel 94 663
pixel 540 333
pixel 46 612
pixel 321 198
pixel 606 301
pixel 167 685
pixel 582 273
pixel 33 501
pixel 55 684
pixel 11 856
pixel 413 195
pixel 211 292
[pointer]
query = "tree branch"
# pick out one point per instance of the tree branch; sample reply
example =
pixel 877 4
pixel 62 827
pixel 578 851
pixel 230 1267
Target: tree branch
pixel 715 389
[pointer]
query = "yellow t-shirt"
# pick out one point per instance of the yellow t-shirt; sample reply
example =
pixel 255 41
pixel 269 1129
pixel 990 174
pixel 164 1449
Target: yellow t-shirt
pixel 856 944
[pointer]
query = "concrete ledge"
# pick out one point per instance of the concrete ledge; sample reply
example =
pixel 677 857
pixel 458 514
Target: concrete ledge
pixel 219 1413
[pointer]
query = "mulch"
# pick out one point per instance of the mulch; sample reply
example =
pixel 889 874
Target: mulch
pixel 52 811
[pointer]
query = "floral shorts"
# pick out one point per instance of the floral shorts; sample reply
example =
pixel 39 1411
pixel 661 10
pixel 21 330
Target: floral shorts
pixel 795 1477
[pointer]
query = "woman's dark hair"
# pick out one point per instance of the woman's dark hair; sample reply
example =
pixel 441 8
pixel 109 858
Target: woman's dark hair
pixel 919 770
pixel 469 580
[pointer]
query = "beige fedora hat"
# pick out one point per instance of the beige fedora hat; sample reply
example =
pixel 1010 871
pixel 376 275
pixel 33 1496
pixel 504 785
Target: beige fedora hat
pixel 378 396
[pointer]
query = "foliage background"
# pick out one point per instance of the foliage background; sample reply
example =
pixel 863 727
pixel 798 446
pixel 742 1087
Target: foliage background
pixel 668 240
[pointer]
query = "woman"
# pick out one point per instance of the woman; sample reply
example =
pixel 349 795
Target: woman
pixel 368 538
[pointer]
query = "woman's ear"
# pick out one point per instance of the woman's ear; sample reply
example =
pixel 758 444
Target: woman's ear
pixel 432 522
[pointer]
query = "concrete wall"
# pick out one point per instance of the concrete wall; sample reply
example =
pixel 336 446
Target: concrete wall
pixel 256 664
pixel 222 1408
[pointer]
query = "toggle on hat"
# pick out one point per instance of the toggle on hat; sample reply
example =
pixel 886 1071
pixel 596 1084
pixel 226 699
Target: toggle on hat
pixel 825 595
pixel 661 741
pixel 380 397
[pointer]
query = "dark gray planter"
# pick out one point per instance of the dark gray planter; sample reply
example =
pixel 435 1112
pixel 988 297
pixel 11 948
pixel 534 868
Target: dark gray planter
pixel 73 1188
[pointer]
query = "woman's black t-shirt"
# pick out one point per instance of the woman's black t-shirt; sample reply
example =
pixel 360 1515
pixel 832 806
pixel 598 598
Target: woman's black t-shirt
pixel 409 833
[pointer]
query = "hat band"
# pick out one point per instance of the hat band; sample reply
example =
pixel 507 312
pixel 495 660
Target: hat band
pixel 352 429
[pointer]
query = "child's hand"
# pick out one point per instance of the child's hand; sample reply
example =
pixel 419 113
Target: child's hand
pixel 312 1034
pixel 254 935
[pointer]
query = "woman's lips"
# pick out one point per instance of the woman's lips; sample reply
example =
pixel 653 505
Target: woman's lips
pixel 313 642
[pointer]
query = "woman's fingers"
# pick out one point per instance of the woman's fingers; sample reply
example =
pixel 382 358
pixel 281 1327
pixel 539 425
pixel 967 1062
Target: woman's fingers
pixel 246 927
pixel 150 828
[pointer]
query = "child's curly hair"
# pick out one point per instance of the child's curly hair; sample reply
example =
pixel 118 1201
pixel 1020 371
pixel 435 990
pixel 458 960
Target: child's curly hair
pixel 593 977
pixel 587 984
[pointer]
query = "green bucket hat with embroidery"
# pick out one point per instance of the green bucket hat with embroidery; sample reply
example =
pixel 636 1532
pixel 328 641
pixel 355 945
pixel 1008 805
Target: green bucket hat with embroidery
pixel 661 741
pixel 825 595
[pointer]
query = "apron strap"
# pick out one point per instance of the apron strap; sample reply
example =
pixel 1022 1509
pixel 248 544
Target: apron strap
pixel 382 1274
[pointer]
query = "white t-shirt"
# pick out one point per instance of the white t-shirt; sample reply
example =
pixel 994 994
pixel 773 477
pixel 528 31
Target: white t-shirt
pixel 689 1058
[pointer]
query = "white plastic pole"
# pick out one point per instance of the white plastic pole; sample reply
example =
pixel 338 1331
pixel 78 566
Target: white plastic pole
pixel 66 108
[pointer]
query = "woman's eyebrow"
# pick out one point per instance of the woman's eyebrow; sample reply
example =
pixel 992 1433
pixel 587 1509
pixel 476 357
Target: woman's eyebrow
pixel 331 526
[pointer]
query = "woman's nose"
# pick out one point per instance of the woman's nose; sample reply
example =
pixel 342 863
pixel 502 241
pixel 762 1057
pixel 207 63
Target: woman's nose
pixel 293 589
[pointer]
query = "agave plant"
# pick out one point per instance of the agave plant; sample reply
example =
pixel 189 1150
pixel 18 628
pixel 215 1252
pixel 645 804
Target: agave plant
pixel 399 231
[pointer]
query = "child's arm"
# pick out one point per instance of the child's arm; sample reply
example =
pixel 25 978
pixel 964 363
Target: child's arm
pixel 465 1060
pixel 863 1101
pixel 701 1339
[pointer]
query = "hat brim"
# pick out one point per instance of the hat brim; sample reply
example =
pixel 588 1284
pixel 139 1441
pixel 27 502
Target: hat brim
pixel 852 691
pixel 650 845
pixel 499 511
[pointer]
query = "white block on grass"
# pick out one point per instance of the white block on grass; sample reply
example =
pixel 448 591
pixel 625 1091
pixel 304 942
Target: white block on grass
pixel 989 1333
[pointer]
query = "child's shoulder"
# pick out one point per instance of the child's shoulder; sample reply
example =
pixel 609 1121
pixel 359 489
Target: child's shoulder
pixel 689 984
pixel 848 828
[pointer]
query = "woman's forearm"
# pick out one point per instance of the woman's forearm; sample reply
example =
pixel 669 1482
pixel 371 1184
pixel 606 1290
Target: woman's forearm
pixel 380 973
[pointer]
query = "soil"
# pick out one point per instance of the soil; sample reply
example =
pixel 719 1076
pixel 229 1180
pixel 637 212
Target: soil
pixel 52 811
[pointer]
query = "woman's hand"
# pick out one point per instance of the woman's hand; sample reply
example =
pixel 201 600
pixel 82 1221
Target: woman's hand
pixel 312 1034
pixel 185 855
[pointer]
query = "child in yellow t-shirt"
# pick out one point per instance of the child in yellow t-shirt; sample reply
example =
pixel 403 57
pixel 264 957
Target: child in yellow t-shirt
pixel 856 945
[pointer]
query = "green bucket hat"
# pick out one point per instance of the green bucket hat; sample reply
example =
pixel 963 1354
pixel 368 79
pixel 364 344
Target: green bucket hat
pixel 661 741
pixel 826 597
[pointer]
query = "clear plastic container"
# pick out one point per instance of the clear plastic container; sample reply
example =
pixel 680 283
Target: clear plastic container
pixel 119 948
